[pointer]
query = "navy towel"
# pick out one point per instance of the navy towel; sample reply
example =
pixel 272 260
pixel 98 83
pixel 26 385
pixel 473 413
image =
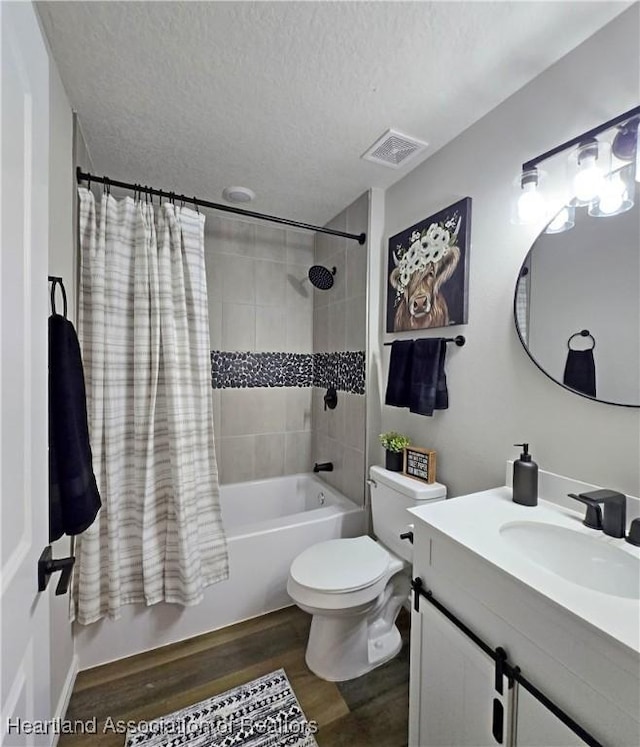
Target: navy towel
pixel 399 379
pixel 580 371
pixel 74 500
pixel 428 378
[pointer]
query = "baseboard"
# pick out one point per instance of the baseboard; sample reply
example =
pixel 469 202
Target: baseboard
pixel 65 695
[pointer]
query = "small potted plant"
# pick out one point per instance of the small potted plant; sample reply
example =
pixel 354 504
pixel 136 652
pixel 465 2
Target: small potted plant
pixel 394 443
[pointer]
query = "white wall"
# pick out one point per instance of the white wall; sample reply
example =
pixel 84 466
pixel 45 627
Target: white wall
pixel 496 395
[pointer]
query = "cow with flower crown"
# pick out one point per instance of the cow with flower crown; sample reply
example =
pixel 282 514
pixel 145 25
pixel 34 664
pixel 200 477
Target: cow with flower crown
pixel 420 272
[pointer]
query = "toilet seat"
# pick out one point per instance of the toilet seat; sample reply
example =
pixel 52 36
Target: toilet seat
pixel 341 566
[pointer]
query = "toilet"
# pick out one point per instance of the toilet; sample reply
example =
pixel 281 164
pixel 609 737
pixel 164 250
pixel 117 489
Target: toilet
pixel 354 587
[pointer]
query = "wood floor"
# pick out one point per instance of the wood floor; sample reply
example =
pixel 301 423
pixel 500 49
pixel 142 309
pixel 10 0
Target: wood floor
pixel 371 710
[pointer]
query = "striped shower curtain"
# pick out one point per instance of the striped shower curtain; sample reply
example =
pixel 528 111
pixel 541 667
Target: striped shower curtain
pixel 144 335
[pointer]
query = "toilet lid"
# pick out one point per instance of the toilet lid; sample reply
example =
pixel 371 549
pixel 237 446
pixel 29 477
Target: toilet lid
pixel 341 565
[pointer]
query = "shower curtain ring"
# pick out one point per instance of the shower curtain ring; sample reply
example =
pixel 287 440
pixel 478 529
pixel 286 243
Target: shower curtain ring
pixel 195 205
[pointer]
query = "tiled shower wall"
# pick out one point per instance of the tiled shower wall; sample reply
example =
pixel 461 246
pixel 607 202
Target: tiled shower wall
pixel 259 301
pixel 269 327
pixel 339 324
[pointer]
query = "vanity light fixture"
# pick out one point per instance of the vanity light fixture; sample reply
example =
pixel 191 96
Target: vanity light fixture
pixel 616 195
pixel 563 221
pixel 601 167
pixel 531 205
pixel 589 165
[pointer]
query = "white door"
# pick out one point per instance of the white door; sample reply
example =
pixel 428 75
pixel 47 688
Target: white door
pixel 453 694
pixel 24 143
pixel 538 727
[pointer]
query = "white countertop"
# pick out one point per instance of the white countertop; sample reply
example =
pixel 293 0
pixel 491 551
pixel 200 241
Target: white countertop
pixel 473 521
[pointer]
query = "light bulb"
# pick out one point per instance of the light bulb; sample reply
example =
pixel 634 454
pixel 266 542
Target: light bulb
pixel 616 196
pixel 612 195
pixel 530 204
pixel 589 180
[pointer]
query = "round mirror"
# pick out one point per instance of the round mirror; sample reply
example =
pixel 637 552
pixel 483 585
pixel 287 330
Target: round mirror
pixel 577 302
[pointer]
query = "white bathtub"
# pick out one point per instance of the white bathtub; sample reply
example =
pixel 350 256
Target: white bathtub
pixel 268 522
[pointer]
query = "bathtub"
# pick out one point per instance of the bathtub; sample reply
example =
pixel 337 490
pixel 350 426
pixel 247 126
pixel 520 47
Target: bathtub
pixel 268 522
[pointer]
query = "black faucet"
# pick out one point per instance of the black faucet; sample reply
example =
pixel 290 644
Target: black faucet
pixel 613 519
pixel 323 467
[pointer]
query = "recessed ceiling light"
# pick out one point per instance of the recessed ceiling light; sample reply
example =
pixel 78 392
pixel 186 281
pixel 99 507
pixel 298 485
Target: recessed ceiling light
pixel 238 194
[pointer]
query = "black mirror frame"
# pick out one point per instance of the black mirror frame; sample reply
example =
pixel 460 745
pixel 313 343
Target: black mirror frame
pixel 546 373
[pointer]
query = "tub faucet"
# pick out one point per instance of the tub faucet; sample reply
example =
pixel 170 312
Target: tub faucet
pixel 614 514
pixel 323 467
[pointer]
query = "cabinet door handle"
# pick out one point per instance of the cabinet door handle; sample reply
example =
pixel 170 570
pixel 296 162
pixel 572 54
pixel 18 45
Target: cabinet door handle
pixel 497 727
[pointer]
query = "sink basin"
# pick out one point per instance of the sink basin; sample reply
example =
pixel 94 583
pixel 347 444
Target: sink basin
pixel 587 561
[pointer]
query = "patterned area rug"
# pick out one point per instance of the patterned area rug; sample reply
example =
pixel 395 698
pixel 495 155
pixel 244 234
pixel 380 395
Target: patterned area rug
pixel 263 713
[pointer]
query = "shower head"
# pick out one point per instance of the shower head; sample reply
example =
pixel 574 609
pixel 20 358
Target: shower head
pixel 320 277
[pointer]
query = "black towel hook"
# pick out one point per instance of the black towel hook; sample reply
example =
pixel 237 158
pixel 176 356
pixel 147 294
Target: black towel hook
pixel 582 333
pixel 55 281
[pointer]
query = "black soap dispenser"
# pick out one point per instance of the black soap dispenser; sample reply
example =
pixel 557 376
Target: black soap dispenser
pixel 525 479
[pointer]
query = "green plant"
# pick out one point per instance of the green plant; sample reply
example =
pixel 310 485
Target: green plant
pixel 393 441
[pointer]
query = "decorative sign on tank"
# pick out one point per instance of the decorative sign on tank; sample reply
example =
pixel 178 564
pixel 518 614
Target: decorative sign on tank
pixel 420 463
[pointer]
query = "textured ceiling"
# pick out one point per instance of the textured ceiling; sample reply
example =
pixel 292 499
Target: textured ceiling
pixel 285 97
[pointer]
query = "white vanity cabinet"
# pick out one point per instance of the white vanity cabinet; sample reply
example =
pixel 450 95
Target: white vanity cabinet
pixel 584 671
pixel 456 703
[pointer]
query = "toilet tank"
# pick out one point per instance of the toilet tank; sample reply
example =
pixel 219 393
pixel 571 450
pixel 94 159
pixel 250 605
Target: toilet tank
pixel 392 493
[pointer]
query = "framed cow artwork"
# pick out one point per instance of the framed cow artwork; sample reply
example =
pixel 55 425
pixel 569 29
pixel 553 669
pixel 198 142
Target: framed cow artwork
pixel 427 280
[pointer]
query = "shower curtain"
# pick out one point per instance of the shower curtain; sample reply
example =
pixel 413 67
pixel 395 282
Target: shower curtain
pixel 144 335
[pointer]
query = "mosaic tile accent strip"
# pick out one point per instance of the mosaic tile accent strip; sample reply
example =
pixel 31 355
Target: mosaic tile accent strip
pixel 344 371
pixel 238 370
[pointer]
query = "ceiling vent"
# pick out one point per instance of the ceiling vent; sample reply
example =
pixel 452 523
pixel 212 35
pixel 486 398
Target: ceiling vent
pixel 394 149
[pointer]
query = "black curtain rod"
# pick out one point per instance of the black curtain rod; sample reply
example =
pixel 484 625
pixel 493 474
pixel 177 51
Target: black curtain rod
pixel 81 176
pixel 527 165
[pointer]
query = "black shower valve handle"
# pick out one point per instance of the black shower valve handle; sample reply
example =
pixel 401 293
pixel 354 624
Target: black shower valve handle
pixel 331 398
